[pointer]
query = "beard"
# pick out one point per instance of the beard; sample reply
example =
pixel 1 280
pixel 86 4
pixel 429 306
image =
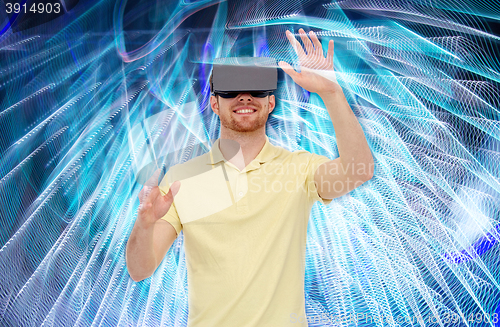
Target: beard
pixel 245 123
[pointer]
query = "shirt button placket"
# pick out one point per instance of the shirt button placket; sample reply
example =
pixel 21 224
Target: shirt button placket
pixel 241 188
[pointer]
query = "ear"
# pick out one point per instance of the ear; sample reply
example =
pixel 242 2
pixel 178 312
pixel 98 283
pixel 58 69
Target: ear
pixel 272 103
pixel 214 104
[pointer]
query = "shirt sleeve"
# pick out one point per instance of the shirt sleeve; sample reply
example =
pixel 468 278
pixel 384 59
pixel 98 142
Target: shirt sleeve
pixel 316 160
pixel 171 216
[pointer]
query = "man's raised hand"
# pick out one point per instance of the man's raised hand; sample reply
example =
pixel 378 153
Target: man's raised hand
pixel 153 204
pixel 316 71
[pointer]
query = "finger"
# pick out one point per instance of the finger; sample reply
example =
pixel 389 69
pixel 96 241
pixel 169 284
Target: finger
pixel 295 44
pixel 329 55
pixel 144 193
pixel 174 188
pixel 307 42
pixel 153 180
pixel 317 44
pixel 289 70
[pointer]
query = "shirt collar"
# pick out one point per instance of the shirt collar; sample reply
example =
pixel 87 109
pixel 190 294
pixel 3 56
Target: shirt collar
pixel 267 153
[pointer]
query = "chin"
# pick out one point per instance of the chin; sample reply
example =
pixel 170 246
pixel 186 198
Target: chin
pixel 243 129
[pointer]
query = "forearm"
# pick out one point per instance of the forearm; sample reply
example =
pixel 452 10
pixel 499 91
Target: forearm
pixel 355 155
pixel 140 256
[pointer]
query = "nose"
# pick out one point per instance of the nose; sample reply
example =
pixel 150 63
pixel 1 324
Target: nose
pixel 242 97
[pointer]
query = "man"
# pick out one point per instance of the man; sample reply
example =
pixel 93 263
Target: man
pixel 245 245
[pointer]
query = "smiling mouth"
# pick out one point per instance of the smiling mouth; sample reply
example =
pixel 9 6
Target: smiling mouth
pixel 245 111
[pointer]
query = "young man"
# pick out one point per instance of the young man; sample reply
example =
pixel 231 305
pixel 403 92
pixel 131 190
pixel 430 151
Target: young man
pixel 244 206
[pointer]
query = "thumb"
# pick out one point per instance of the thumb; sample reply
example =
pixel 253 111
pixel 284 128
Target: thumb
pixel 174 188
pixel 288 69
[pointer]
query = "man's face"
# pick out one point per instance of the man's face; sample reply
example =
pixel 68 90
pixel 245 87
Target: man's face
pixel 243 113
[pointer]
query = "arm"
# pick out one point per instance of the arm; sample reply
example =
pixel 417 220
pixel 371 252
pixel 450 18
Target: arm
pixel 355 163
pixel 151 236
pixel 147 246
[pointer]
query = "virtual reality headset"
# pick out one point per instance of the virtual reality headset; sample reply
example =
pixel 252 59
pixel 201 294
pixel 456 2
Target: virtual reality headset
pixel 244 74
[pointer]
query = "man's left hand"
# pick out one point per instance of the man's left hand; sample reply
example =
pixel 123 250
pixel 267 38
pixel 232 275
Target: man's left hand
pixel 316 72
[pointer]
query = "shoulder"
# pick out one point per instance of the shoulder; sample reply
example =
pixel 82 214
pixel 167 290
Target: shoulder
pixel 297 155
pixel 298 160
pixel 192 167
pixel 307 161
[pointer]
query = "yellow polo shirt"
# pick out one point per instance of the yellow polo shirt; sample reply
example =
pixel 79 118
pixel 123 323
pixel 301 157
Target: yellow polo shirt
pixel 245 235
